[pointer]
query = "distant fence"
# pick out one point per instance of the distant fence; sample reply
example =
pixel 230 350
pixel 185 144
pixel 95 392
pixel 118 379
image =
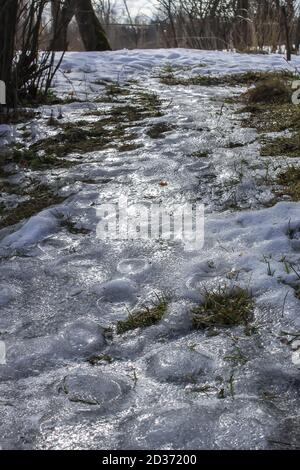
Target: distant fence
pixel 214 34
pixel 156 35
pixel 202 34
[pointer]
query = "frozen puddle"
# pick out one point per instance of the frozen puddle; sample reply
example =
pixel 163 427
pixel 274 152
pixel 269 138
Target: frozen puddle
pixel 71 382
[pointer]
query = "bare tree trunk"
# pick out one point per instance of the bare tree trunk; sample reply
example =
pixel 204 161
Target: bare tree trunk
pixel 169 8
pixel 91 31
pixel 287 33
pixel 134 29
pixel 26 72
pixel 242 19
pixel 297 35
pixel 62 15
pixel 8 22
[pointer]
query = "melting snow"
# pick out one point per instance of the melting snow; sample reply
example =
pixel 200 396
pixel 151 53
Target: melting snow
pixel 165 386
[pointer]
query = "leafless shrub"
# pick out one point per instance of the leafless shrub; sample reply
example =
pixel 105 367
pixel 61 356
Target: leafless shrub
pixel 27 72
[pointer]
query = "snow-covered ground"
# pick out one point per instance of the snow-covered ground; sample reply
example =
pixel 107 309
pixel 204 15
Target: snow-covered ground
pixel 79 71
pixel 59 292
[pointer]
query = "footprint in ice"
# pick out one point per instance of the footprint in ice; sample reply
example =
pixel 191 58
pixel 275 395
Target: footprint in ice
pixel 94 389
pixel 116 291
pixel 7 294
pixel 133 266
pixel 197 279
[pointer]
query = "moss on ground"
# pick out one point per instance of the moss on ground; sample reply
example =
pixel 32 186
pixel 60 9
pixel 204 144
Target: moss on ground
pixel 224 308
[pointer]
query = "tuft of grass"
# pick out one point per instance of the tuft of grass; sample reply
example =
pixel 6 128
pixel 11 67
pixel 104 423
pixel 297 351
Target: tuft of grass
pixel 52 121
pixel 72 228
pixel 49 98
pixel 114 89
pixel 238 79
pixel 235 145
pixel 282 146
pixel 157 131
pixel 18 116
pixel 146 317
pixel 221 394
pixel 200 154
pixel 272 117
pixel 290 180
pixel 129 147
pixel 297 292
pixel 150 103
pixel 237 357
pixel 271 90
pixel 98 359
pixel 224 308
pixel 269 106
pixel 30 158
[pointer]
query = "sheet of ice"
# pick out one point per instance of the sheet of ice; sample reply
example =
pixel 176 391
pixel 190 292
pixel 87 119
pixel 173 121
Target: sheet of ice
pixel 69 382
pixel 31 232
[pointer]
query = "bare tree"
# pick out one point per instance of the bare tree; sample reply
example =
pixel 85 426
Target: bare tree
pixel 8 25
pixel 134 29
pixel 169 8
pixel 62 14
pixel 106 10
pixel 91 31
pixel 27 72
pixel 90 28
pixel 287 11
pixel 246 25
pixel 243 24
pixel 242 17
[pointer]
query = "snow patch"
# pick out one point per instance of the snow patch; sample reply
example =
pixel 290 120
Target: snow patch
pixel 32 232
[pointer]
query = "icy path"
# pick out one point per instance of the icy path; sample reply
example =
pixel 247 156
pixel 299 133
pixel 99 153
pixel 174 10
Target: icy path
pixel 165 386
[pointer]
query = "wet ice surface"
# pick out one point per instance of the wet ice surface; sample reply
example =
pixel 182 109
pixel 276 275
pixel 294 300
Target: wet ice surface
pixel 166 386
